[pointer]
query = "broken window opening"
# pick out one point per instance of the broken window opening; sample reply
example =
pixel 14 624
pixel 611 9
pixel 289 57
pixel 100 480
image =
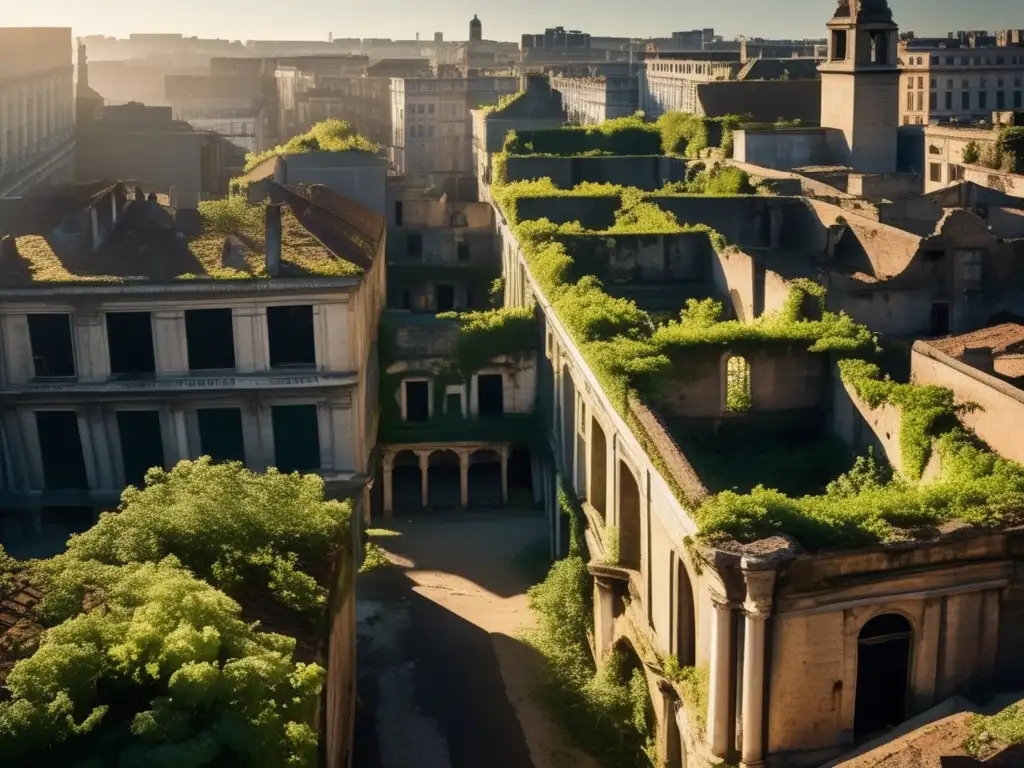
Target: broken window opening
pixel 130 337
pixel 53 354
pixel 463 250
pixel 414 246
pixel 417 401
pixel 290 333
pixel 61 446
pixel 737 385
pixel 491 393
pixel 141 444
pixel 296 438
pixel 220 434
pixel 453 404
pixel 839 45
pixel 210 336
pixel 445 298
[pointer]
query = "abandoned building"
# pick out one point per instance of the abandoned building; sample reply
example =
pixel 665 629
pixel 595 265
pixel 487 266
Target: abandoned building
pixel 135 335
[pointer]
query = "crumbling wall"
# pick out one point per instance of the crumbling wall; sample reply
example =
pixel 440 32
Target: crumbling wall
pixel 648 172
pixel 782 149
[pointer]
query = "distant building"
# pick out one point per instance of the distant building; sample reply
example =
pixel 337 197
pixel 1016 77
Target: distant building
pixel 946 159
pixel 592 100
pixel 37 108
pixel 231 106
pixel 944 79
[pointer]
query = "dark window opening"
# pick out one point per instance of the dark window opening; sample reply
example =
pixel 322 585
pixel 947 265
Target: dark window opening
pixel 469 299
pixel 838 45
pixel 883 669
pixel 453 404
pixel 965 100
pixel 1000 100
pixel 406 299
pixel 414 245
pixel 52 351
pixel 296 438
pixel 290 331
pixel 949 100
pixel 130 337
pixel 417 401
pixel 463 251
pixel 398 213
pixel 935 255
pixel 141 444
pixel 879 48
pixel 445 298
pixel 60 522
pixel 983 100
pixel 935 171
pixel 940 319
pixel 61 446
pixel 220 434
pixel 211 339
pixel 491 394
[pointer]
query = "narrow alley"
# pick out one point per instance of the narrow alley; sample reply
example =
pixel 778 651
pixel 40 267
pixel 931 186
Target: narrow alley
pixel 444 680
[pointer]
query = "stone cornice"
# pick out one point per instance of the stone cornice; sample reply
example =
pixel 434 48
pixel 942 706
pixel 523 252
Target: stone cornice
pixel 226 382
pixel 44 291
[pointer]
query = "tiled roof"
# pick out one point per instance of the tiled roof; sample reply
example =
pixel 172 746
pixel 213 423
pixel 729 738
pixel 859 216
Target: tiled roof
pixel 349 229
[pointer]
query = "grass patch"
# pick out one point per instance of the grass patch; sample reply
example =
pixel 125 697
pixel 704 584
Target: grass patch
pixel 327 136
pixel 994 732
pixel 373 558
pixel 377 533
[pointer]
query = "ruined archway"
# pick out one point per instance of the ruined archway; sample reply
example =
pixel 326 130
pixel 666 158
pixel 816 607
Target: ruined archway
pixel 597 476
pixel 485 479
pixel 568 424
pixel 443 480
pixel 405 481
pixel 520 478
pixel 629 518
pixel 883 672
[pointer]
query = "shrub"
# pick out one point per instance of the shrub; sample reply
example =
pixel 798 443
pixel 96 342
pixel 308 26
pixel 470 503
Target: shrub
pixel 971 153
pixel 331 135
pixel 485 335
pixel 1005 728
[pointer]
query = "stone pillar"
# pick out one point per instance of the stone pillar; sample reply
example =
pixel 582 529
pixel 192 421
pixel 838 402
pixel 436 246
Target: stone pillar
pixel 265 419
pixel 719 693
pixel 604 618
pixel 251 440
pixel 169 345
pixel 92 362
pixel 757 607
pixel 180 434
pixel 424 457
pixel 88 453
pixel 251 352
pixel 504 475
pixel 387 466
pixel 463 479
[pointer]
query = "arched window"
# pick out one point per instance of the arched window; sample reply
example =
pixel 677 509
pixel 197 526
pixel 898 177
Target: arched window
pixel 737 384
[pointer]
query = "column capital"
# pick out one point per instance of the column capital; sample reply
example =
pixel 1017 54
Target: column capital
pixel 760 589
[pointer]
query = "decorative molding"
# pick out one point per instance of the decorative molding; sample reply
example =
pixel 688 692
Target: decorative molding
pixel 228 382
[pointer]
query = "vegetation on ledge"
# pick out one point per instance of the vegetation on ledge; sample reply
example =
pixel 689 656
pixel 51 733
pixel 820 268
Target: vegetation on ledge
pixel 994 732
pixel 331 135
pixel 485 335
pixel 145 660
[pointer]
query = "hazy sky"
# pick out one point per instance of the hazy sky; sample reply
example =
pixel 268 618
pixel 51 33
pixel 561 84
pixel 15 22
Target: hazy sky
pixel 313 19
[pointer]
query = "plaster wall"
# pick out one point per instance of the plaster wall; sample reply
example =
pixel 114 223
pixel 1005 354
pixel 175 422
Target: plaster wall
pixel 782 149
pixel 644 172
pixel 1000 409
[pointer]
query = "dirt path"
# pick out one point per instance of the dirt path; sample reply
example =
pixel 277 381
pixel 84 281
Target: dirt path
pixel 444 680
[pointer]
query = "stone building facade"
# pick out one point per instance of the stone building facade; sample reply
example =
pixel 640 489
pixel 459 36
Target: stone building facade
pixel 592 100
pixel 37 108
pixel 103 378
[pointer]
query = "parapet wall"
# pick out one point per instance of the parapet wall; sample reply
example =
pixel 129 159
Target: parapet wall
pixel 649 172
pixel 641 258
pixel 783 149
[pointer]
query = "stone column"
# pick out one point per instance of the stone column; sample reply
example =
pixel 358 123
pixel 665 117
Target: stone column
pixel 89 458
pixel 387 466
pixel 5 119
pixel 719 693
pixel 463 479
pixel 180 433
pixel 251 441
pixel 424 457
pixel 91 359
pixel 169 344
pixel 504 475
pixel 757 607
pixel 604 618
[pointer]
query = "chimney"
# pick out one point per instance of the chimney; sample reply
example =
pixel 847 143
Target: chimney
pixel 273 236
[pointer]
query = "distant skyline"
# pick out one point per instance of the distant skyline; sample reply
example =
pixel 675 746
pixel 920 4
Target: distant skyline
pixel 314 19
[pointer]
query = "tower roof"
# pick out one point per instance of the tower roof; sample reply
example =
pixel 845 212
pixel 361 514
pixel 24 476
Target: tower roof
pixel 864 11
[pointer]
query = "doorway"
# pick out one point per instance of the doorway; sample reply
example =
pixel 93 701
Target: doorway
pixel 883 672
pixel 940 324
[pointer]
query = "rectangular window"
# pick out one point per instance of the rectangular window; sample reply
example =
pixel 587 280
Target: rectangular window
pixel 453 403
pixel 141 444
pixel 838 45
pixel 910 101
pixel 949 100
pixel 210 335
pixel 935 171
pixel 290 333
pixel 972 268
pixel 130 338
pixel 933 101
pixel 398 213
pixel 920 101
pixel 956 173
pixel 52 351
pixel 414 245
pixel 463 251
pixel 1016 100
pixel 61 446
pixel 940 319
pixel 920 83
pixel 296 438
pixel 1000 100
pixel 417 401
pixel 220 434
pixel 965 100
pixel 983 100
pixel 491 394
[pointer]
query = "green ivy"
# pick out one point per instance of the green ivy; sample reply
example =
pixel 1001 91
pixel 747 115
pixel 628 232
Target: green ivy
pixel 994 732
pixel 486 335
pixel 330 135
pixel 504 101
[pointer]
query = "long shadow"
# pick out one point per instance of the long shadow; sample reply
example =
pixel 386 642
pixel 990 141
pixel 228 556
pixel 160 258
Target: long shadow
pixel 428 541
pixel 457 677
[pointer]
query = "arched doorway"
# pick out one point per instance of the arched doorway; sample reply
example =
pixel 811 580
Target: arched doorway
pixel 629 518
pixel 883 671
pixel 568 424
pixel 597 477
pixel 405 482
pixel 686 634
pixel 520 478
pixel 737 384
pixel 444 483
pixel 485 479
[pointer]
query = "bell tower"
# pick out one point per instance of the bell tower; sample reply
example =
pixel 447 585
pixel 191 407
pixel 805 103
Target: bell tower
pixel 860 86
